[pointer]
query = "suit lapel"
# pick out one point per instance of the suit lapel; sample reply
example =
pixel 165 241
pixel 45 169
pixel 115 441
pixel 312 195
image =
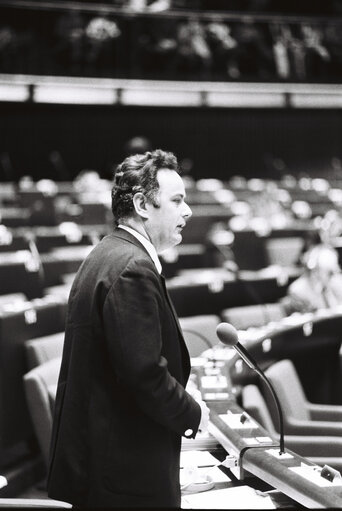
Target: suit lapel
pixel 171 304
pixel 185 357
pixel 121 233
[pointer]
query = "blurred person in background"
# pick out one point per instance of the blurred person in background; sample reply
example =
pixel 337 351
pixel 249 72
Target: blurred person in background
pixel 221 44
pixel 69 47
pixel 101 35
pixel 252 56
pixel 194 56
pixel 320 285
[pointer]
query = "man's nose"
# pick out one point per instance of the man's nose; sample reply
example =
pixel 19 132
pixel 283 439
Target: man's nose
pixel 187 213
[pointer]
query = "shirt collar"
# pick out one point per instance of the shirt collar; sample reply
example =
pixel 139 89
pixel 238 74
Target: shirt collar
pixel 146 243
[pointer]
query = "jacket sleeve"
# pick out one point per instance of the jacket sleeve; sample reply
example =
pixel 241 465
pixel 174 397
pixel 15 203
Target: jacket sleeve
pixel 133 332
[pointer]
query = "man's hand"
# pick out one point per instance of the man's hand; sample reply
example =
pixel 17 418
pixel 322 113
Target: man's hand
pixel 203 426
pixel 196 394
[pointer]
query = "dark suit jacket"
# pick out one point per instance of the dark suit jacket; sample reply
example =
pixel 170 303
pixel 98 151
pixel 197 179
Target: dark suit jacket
pixel 121 407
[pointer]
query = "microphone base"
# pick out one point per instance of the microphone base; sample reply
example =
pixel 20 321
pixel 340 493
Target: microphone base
pixel 276 453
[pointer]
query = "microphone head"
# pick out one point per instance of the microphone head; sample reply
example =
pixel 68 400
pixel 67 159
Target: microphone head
pixel 227 334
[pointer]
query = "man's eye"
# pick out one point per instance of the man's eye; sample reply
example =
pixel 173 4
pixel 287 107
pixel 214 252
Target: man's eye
pixel 177 201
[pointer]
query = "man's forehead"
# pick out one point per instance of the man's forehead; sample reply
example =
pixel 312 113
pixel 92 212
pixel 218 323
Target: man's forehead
pixel 170 181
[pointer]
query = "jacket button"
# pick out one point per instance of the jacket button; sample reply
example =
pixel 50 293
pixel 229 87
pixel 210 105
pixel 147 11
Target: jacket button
pixel 188 432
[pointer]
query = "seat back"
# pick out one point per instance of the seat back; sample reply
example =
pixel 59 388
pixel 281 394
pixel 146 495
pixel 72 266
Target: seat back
pixel 199 332
pixel 255 405
pixel 40 386
pixel 28 320
pixel 42 349
pixel 284 378
pixel 253 315
pixel 284 251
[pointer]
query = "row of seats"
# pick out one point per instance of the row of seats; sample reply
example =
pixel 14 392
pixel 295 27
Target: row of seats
pixel 200 330
pixel 40 385
pixel 20 325
pixel 255 211
pixel 55 252
pixel 311 430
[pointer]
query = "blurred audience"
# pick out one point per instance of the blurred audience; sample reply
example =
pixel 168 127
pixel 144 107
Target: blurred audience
pixel 320 285
pixel 69 50
pixel 219 251
pixel 252 55
pixel 193 52
pixel 101 34
pixel 195 46
pixel 221 44
pixel 91 186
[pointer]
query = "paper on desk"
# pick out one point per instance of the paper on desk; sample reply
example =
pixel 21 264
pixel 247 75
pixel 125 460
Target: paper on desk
pixel 197 458
pixel 215 474
pixel 239 497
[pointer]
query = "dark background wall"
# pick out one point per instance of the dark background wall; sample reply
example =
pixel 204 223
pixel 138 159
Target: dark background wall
pixel 221 142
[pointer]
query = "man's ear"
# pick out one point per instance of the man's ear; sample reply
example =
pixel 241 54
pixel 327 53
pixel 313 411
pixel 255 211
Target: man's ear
pixel 139 203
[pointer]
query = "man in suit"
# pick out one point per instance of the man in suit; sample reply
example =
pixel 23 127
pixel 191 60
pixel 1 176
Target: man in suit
pixel 121 406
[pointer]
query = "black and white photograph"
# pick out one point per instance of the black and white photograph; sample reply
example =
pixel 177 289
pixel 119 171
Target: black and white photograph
pixel 171 254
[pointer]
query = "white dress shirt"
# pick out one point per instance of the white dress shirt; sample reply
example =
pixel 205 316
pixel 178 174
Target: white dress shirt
pixel 146 243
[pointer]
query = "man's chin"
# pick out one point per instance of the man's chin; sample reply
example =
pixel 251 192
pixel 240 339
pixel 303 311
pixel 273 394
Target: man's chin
pixel 175 241
pixel 178 239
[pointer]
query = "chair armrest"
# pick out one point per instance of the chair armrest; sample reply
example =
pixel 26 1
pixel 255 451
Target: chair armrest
pixel 317 446
pixel 319 428
pixel 321 412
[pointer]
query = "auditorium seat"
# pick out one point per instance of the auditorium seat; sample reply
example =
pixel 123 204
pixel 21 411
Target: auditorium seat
pixel 301 417
pixel 48 238
pixel 184 256
pixel 42 349
pixel 318 449
pixel 20 273
pixel 253 315
pixel 92 213
pixel 14 216
pixel 249 250
pixel 212 290
pixel 61 261
pixel 43 207
pixel 192 299
pixel 199 332
pixel 40 385
pixel 202 220
pixel 284 251
pixel 32 320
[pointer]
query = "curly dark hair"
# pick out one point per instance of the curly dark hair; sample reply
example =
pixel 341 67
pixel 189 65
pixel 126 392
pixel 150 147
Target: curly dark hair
pixel 138 173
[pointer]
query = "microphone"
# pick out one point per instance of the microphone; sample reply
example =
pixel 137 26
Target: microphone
pixel 228 336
